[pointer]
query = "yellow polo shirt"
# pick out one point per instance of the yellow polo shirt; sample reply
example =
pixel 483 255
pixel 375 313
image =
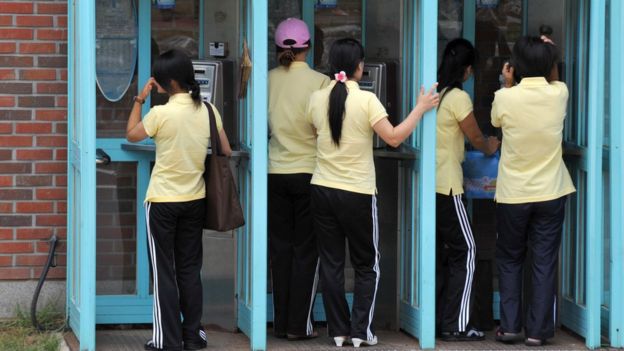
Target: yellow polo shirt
pixel 455 107
pixel 350 166
pixel 292 147
pixel 531 167
pixel 181 133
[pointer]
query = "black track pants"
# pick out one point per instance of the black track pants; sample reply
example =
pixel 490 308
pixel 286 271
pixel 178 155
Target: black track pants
pixel 456 259
pixel 340 214
pixel 174 236
pixel 293 253
pixel 537 227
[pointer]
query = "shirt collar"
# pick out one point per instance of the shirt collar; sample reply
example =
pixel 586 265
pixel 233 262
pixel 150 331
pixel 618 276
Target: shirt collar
pixel 182 98
pixel 298 64
pixel 533 82
pixel 351 84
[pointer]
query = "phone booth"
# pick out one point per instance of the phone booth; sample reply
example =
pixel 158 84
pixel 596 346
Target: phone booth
pixel 112 43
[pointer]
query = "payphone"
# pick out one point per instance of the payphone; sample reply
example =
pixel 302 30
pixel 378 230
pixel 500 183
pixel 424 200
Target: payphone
pixel 380 79
pixel 215 86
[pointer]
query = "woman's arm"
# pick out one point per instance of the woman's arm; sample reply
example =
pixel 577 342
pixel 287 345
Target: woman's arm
pixel 225 143
pixel 394 136
pixel 134 129
pixel 471 130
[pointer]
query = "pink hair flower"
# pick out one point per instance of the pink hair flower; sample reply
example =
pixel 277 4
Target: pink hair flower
pixel 341 76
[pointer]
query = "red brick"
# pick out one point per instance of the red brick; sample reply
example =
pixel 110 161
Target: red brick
pixel 34 21
pixel 51 194
pixel 60 128
pixel 15 167
pixel 6 233
pixel 33 128
pixel 17 88
pixel 34 154
pixel 6 155
pixel 52 61
pixel 51 115
pixel 63 74
pixel 15 194
pixel 33 233
pixel 8 48
pixel 52 88
pixel 38 74
pixel 37 48
pixel 6 181
pixel 54 140
pixel 61 21
pixel 6 261
pixel 61 207
pixel 15 33
pixel 6 128
pixel 54 272
pixel 34 207
pixel 51 167
pixel 6 21
pixel 60 180
pixel 61 232
pixel 12 140
pixel 36 101
pixel 7 74
pixel 30 260
pixel 33 180
pixel 51 7
pixel 12 273
pixel 15 115
pixel 60 154
pixel 51 34
pixel 7 101
pixel 51 220
pixel 16 7
pixel 15 221
pixel 6 207
pixel 16 61
pixel 61 101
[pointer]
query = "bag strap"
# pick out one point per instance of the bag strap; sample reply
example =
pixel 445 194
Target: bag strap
pixel 215 141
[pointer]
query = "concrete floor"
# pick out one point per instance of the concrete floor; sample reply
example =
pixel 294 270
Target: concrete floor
pixel 133 340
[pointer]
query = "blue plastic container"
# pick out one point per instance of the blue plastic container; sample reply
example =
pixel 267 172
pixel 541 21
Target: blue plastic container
pixel 480 174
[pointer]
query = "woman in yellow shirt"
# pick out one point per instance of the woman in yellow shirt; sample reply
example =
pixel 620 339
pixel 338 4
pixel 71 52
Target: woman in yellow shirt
pixel 343 188
pixel 292 157
pixel 456 120
pixel 531 189
pixel 174 203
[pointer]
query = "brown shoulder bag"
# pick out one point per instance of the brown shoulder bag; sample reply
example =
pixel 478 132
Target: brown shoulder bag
pixel 223 208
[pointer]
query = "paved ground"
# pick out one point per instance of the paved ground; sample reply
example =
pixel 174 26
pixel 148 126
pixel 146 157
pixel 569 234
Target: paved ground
pixel 133 339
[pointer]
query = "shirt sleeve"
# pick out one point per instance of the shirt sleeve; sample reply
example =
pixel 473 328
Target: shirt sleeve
pixel 495 117
pixel 462 106
pixel 325 82
pixel 376 110
pixel 151 122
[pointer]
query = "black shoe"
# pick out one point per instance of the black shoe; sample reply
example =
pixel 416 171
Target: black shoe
pixel 294 337
pixel 471 334
pixel 534 342
pixel 507 337
pixel 149 346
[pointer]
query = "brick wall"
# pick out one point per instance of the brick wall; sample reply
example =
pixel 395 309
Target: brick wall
pixel 33 136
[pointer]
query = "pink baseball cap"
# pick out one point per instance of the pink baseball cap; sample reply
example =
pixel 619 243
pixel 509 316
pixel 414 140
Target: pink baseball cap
pixel 292 33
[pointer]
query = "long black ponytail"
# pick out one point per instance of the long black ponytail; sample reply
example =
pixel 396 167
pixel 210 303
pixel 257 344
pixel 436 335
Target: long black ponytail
pixel 458 55
pixel 344 55
pixel 176 65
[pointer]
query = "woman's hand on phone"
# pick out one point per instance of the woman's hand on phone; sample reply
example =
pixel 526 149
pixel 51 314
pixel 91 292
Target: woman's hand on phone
pixel 508 75
pixel 428 101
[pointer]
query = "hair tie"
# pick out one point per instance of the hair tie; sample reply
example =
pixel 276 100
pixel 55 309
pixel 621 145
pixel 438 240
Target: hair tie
pixel 341 76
